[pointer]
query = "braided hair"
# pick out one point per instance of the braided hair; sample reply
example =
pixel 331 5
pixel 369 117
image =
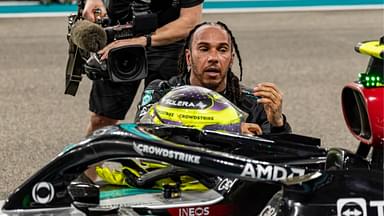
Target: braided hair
pixel 233 82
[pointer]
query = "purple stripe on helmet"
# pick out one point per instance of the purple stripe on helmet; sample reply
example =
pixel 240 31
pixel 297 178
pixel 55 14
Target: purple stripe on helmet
pixel 169 122
pixel 219 106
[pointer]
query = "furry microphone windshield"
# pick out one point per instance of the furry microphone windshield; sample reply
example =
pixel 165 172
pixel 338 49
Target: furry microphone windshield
pixel 88 36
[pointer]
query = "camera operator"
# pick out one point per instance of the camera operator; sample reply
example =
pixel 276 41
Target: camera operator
pixel 109 101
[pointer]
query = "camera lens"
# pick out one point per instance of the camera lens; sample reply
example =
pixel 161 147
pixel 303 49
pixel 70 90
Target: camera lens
pixel 128 66
pixel 127 63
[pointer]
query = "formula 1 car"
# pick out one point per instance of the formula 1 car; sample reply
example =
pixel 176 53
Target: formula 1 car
pixel 279 174
pixel 55 189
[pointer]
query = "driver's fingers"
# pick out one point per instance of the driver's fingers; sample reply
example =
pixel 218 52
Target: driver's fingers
pixel 268 94
pixel 251 129
pixel 267 90
pixel 272 96
pixel 268 85
pixel 272 103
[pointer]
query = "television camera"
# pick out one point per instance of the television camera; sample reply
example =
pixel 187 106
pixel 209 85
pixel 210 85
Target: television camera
pixel 124 64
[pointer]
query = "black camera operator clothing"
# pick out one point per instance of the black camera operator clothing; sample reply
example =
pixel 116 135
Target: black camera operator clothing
pixel 166 10
pixel 248 103
pixel 113 100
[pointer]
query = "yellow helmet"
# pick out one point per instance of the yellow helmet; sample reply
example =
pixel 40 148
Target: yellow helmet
pixel 197 107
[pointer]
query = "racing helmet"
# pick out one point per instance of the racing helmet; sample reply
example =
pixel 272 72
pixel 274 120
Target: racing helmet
pixel 197 107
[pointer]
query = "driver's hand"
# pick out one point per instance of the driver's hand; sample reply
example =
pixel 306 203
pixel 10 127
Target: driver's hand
pixel 251 129
pixel 90 7
pixel 272 99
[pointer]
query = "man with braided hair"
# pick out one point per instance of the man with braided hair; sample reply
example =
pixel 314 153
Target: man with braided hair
pixel 206 61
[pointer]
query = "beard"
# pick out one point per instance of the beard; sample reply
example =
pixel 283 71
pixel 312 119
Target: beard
pixel 211 85
pixel 202 79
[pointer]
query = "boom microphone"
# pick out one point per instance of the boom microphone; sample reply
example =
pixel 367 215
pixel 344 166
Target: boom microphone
pixel 88 36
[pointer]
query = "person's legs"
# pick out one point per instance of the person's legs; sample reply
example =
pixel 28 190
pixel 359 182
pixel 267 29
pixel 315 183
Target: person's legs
pixel 98 121
pixel 109 102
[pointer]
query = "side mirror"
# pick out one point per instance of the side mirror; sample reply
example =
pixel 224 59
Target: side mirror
pixel 84 195
pixel 86 198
